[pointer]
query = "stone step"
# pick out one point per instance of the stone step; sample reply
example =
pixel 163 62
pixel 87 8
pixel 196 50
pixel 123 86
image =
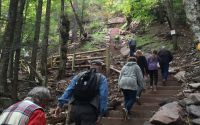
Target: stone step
pixel 143 106
pixel 121 121
pixel 152 99
pixel 169 92
pixel 168 87
pixel 135 114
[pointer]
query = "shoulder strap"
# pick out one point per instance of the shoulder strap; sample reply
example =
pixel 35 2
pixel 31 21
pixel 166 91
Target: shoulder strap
pixel 80 74
pixel 98 77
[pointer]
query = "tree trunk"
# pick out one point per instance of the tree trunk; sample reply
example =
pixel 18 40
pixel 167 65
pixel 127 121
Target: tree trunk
pixel 172 22
pixel 74 23
pixel 0 8
pixel 82 11
pixel 129 17
pixel 17 43
pixel 0 26
pixel 10 64
pixel 7 43
pixel 64 36
pixel 82 31
pixel 45 42
pixel 36 38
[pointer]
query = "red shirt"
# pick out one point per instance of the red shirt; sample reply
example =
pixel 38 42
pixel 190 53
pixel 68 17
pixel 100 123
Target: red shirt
pixel 37 118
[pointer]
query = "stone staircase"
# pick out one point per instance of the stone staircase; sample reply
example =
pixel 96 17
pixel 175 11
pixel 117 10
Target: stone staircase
pixel 150 104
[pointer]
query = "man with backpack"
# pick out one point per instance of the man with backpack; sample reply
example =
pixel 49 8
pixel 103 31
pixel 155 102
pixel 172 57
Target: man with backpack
pixel 132 46
pixel 165 57
pixel 88 95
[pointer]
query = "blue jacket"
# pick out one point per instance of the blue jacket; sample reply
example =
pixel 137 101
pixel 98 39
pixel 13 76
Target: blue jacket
pixel 103 94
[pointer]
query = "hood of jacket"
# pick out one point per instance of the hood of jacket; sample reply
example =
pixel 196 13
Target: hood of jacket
pixel 130 63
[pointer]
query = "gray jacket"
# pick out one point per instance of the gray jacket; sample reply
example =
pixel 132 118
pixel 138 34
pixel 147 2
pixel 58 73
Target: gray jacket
pixel 131 77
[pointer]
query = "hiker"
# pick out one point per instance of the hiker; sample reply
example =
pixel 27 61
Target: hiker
pixel 142 62
pixel 30 111
pixel 165 57
pixel 152 62
pixel 130 80
pixel 132 46
pixel 88 101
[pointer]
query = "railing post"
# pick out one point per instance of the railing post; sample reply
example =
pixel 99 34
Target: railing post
pixel 107 60
pixel 73 62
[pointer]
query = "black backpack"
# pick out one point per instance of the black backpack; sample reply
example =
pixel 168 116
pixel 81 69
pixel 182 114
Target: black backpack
pixel 132 44
pixel 87 86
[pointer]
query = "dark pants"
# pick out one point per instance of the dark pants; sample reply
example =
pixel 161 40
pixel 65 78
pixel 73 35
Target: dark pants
pixel 84 114
pixel 129 98
pixel 153 74
pixel 164 70
pixel 132 51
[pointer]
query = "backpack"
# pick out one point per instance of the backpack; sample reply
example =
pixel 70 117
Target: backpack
pixel 87 86
pixel 152 63
pixel 132 44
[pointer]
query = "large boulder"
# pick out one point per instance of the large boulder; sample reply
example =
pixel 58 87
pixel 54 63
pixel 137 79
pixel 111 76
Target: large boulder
pixel 192 99
pixel 180 76
pixel 194 85
pixel 125 51
pixel 167 114
pixel 196 121
pixel 193 110
pixel 195 97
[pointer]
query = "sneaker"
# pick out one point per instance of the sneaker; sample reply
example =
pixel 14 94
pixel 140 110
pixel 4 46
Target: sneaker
pixel 125 114
pixel 151 87
pixel 155 89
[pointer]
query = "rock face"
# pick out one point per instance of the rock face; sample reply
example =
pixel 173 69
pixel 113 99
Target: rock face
pixel 192 9
pixel 180 76
pixel 167 114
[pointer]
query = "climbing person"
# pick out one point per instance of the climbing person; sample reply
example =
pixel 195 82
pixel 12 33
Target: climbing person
pixel 130 80
pixel 152 62
pixel 88 95
pixel 132 46
pixel 142 62
pixel 165 57
pixel 29 111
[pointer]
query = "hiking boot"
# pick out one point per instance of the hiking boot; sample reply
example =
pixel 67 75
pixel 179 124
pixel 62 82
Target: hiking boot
pixel 130 114
pixel 125 114
pixel 164 82
pixel 138 101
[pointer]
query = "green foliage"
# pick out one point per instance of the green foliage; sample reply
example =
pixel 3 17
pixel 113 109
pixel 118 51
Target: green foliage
pixel 179 10
pixel 95 26
pixel 87 47
pixel 98 38
pixel 139 10
pixel 145 40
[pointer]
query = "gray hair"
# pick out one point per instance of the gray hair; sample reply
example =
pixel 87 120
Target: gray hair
pixel 40 93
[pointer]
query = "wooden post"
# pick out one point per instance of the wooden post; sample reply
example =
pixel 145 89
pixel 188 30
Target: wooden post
pixel 107 60
pixel 52 61
pixel 73 62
